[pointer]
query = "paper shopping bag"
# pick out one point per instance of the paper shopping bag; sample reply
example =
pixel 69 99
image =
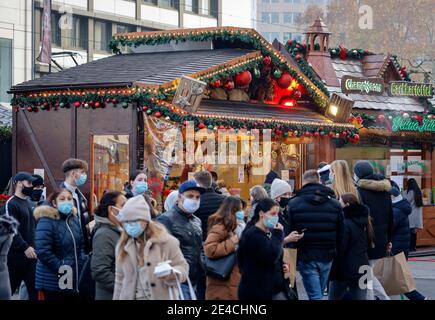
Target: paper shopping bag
pixel 290 256
pixel 394 274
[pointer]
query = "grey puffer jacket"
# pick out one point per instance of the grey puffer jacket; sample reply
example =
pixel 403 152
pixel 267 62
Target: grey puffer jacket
pixel 8 226
pixel 103 260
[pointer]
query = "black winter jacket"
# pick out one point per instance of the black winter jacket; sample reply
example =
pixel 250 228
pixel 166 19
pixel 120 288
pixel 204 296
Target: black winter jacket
pixel 352 253
pixel 260 261
pixel 187 229
pixel 374 192
pixel 401 234
pixel 210 203
pixel 315 209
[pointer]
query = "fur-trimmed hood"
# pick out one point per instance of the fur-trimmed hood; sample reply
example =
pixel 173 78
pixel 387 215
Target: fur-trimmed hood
pixel 48 212
pixel 383 185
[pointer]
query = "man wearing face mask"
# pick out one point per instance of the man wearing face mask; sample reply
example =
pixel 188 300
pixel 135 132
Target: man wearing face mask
pixel 38 190
pixel 22 256
pixel 186 227
pixel 75 171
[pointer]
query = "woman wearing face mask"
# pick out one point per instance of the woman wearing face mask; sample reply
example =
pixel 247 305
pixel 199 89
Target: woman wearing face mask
pixel 59 247
pixel 341 178
pixel 221 241
pixel 260 256
pixel 138 184
pixel 144 244
pixel 106 235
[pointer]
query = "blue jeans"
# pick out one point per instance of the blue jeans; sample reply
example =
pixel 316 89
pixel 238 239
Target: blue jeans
pixel 314 277
pixel 338 290
pixel 186 291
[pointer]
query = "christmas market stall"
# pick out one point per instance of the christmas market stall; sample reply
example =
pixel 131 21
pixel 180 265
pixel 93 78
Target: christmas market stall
pixel 141 107
pixel 394 116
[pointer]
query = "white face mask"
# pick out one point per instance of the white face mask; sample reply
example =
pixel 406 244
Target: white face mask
pixel 355 178
pixel 191 205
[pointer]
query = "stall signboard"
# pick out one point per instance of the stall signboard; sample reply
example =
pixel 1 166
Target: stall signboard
pixel 410 89
pixel 369 86
pixel 189 94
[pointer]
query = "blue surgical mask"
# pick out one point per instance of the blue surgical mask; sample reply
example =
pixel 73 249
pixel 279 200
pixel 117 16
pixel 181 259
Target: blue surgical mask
pixel 133 229
pixel 65 207
pixel 240 215
pixel 81 180
pixel 140 188
pixel 271 222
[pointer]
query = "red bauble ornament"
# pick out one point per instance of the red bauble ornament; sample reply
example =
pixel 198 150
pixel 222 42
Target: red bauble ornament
pixel 216 84
pixel 284 81
pixel 30 109
pixel 115 101
pixel 297 94
pixel 144 108
pixel 221 127
pixel 298 57
pixel 186 123
pixel 77 104
pixel 316 134
pixel 201 126
pixel 158 114
pixel 97 104
pixel 331 134
pixel 243 79
pixel 108 101
pixel 267 60
pixel 290 41
pixel 229 85
pixel 381 118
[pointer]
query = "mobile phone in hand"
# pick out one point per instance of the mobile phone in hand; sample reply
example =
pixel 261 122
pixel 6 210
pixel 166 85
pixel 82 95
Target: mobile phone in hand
pixel 303 230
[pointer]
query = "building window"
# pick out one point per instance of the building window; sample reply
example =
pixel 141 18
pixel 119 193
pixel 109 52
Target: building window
pixel 297 37
pixel 296 16
pixel 122 28
pixel 287 36
pixel 55 29
pixel 270 1
pixel 270 17
pixel 271 36
pixel 287 17
pixel 214 9
pixel 5 68
pixel 151 1
pixel 205 7
pixel 102 35
pixel 77 37
pixel 168 3
pixel 191 6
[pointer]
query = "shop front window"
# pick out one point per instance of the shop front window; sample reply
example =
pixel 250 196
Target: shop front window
pixel 110 165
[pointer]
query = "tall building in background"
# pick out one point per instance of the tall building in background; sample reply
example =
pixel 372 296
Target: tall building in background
pixel 81 30
pixel 276 19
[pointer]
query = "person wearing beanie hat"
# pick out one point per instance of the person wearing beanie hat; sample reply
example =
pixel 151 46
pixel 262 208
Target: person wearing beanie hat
pixel 38 190
pixel 181 221
pixel 145 244
pixel 374 191
pixel 281 191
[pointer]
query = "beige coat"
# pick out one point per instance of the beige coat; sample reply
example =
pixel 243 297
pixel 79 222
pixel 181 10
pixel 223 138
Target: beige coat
pixel 156 250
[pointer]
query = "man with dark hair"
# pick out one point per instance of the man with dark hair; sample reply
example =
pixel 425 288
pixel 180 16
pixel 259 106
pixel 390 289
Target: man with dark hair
pixel 210 200
pixel 315 213
pixel 75 171
pixel 214 183
pixel 22 255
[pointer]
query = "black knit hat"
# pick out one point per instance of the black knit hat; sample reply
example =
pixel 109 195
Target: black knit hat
pixel 39 181
pixel 363 169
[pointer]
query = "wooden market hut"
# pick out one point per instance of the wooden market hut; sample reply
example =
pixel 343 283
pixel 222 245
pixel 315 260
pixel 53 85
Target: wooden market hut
pixel 396 132
pixel 116 113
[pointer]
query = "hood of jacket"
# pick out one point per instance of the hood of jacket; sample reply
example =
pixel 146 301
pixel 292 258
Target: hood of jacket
pixel 49 212
pixel 359 213
pixel 404 206
pixel 316 193
pixel 381 185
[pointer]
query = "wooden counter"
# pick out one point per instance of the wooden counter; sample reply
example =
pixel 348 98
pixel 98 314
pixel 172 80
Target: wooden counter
pixel 426 237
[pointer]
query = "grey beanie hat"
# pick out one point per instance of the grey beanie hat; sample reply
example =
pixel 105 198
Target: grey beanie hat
pixel 363 169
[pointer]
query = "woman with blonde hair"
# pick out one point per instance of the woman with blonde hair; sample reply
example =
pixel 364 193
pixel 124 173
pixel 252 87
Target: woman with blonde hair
pixel 256 194
pixel 341 179
pixel 143 245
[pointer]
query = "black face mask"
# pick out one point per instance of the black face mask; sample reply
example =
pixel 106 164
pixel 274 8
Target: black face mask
pixel 284 202
pixel 27 191
pixel 36 195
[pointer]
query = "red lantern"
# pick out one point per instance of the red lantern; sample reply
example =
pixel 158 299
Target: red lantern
pixel 216 84
pixel 284 81
pixel 381 118
pixel 297 94
pixel 77 104
pixel 229 85
pixel 267 60
pixel 243 79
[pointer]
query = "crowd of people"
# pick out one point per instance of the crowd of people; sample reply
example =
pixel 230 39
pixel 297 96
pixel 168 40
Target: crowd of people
pixel 206 244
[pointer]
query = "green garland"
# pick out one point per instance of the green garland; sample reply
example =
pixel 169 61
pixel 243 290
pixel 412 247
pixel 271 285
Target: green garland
pixel 232 72
pixel 349 53
pixel 246 37
pixel 406 75
pixel 5 133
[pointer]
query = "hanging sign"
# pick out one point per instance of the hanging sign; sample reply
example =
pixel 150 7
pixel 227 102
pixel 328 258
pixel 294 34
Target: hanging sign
pixel 189 94
pixel 369 86
pixel 410 89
